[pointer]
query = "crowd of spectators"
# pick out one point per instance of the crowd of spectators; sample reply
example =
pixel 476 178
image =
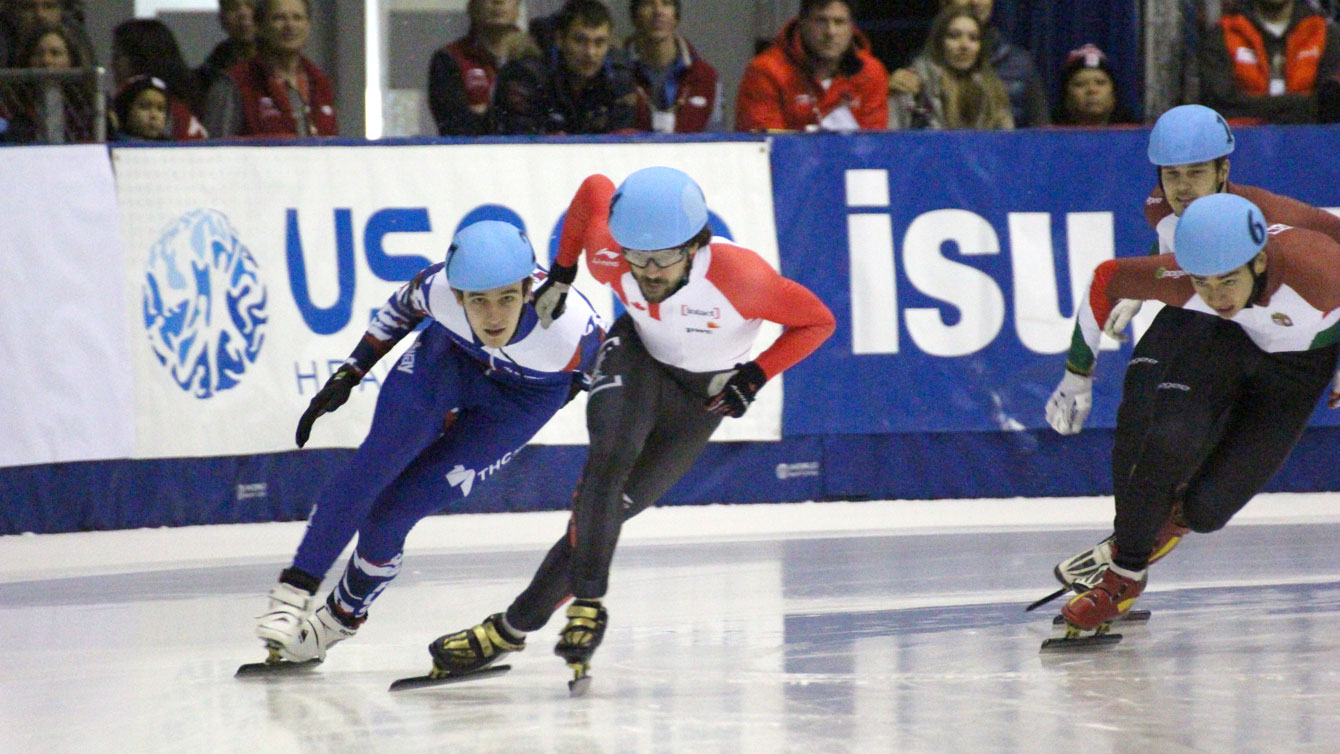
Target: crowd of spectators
pixel 1262 61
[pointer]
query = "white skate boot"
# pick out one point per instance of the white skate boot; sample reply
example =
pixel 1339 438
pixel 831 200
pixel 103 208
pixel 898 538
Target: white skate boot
pixel 292 630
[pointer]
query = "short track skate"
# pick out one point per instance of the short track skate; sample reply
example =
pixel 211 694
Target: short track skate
pixel 1077 639
pixel 275 665
pixel 577 642
pixel 442 678
pixel 581 679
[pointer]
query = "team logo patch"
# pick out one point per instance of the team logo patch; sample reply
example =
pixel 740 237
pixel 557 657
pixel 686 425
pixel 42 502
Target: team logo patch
pixel 463 478
pixel 204 303
pixel 1281 319
pixel 606 258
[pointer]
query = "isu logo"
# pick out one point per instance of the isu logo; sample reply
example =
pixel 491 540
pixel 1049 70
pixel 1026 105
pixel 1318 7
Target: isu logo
pixel 1164 272
pixel 1281 319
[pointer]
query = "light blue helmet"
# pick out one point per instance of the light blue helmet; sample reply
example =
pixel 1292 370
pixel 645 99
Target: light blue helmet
pixel 657 208
pixel 1189 133
pixel 488 254
pixel 1218 233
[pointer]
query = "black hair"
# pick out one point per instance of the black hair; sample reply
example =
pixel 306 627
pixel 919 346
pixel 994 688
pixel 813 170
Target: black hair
pixel 810 6
pixel 153 51
pixel 588 13
pixel 633 6
pixel 701 238
pixel 78 55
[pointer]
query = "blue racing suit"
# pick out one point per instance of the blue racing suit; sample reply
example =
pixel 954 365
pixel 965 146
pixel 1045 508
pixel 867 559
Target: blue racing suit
pixel 449 417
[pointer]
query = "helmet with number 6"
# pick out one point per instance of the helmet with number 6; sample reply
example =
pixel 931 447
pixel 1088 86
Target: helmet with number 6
pixel 489 254
pixel 1218 234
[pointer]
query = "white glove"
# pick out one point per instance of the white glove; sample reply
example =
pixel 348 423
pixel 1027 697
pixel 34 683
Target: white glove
pixel 549 301
pixel 1070 403
pixel 1122 312
pixel 1334 400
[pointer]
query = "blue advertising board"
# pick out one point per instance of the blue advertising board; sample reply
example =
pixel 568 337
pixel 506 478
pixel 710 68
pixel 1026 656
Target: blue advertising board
pixel 953 262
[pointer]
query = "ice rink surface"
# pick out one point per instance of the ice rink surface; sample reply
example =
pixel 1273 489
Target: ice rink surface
pixel 861 627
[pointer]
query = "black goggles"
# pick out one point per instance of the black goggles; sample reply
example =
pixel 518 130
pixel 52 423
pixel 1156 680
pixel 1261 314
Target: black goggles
pixel 661 258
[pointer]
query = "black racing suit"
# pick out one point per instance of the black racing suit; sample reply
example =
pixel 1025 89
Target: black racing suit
pixel 1206 418
pixel 647 425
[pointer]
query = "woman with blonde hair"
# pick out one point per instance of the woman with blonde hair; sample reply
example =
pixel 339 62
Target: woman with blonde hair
pixel 958 87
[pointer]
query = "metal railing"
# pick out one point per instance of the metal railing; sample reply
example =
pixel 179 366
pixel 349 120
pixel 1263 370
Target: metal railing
pixel 50 106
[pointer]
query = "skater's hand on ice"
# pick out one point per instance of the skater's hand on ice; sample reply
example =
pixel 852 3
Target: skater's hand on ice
pixel 1070 403
pixel 1122 312
pixel 331 396
pixel 733 391
pixel 553 292
pixel 1333 401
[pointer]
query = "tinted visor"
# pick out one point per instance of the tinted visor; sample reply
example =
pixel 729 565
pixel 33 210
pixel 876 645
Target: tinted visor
pixel 661 258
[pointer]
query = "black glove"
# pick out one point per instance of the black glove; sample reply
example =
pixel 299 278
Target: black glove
pixel 331 396
pixel 741 385
pixel 551 294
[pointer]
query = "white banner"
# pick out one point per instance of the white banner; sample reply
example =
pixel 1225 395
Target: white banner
pixel 251 272
pixel 65 390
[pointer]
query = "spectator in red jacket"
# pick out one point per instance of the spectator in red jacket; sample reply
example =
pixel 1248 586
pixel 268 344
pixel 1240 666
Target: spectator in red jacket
pixel 461 75
pixel 279 92
pixel 1264 60
pixel 677 90
pixel 818 76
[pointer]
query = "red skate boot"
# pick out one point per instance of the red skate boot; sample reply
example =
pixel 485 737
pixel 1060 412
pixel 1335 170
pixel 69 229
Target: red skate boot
pixel 1088 616
pixel 1109 599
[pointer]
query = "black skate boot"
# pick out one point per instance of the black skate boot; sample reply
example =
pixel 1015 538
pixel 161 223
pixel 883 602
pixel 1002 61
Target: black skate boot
pixel 578 641
pixel 473 649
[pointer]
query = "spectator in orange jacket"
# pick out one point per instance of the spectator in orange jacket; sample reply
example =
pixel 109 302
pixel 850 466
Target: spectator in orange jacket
pixel 1264 61
pixel 818 76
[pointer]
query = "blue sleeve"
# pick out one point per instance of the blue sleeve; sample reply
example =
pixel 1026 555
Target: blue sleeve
pixel 398 317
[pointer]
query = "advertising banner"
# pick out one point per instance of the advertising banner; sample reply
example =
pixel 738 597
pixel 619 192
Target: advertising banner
pixel 954 262
pixel 65 390
pixel 251 272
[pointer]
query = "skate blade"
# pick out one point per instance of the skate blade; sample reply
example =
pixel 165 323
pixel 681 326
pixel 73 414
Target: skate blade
pixel 1080 643
pixel 1133 616
pixel 581 681
pixel 425 681
pixel 275 668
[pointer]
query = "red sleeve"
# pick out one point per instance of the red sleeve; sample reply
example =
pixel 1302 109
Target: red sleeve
pixel 757 291
pixel 1098 300
pixel 1308 262
pixel 1148 278
pixel 1285 210
pixel 874 112
pixel 1156 207
pixel 758 104
pixel 586 226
